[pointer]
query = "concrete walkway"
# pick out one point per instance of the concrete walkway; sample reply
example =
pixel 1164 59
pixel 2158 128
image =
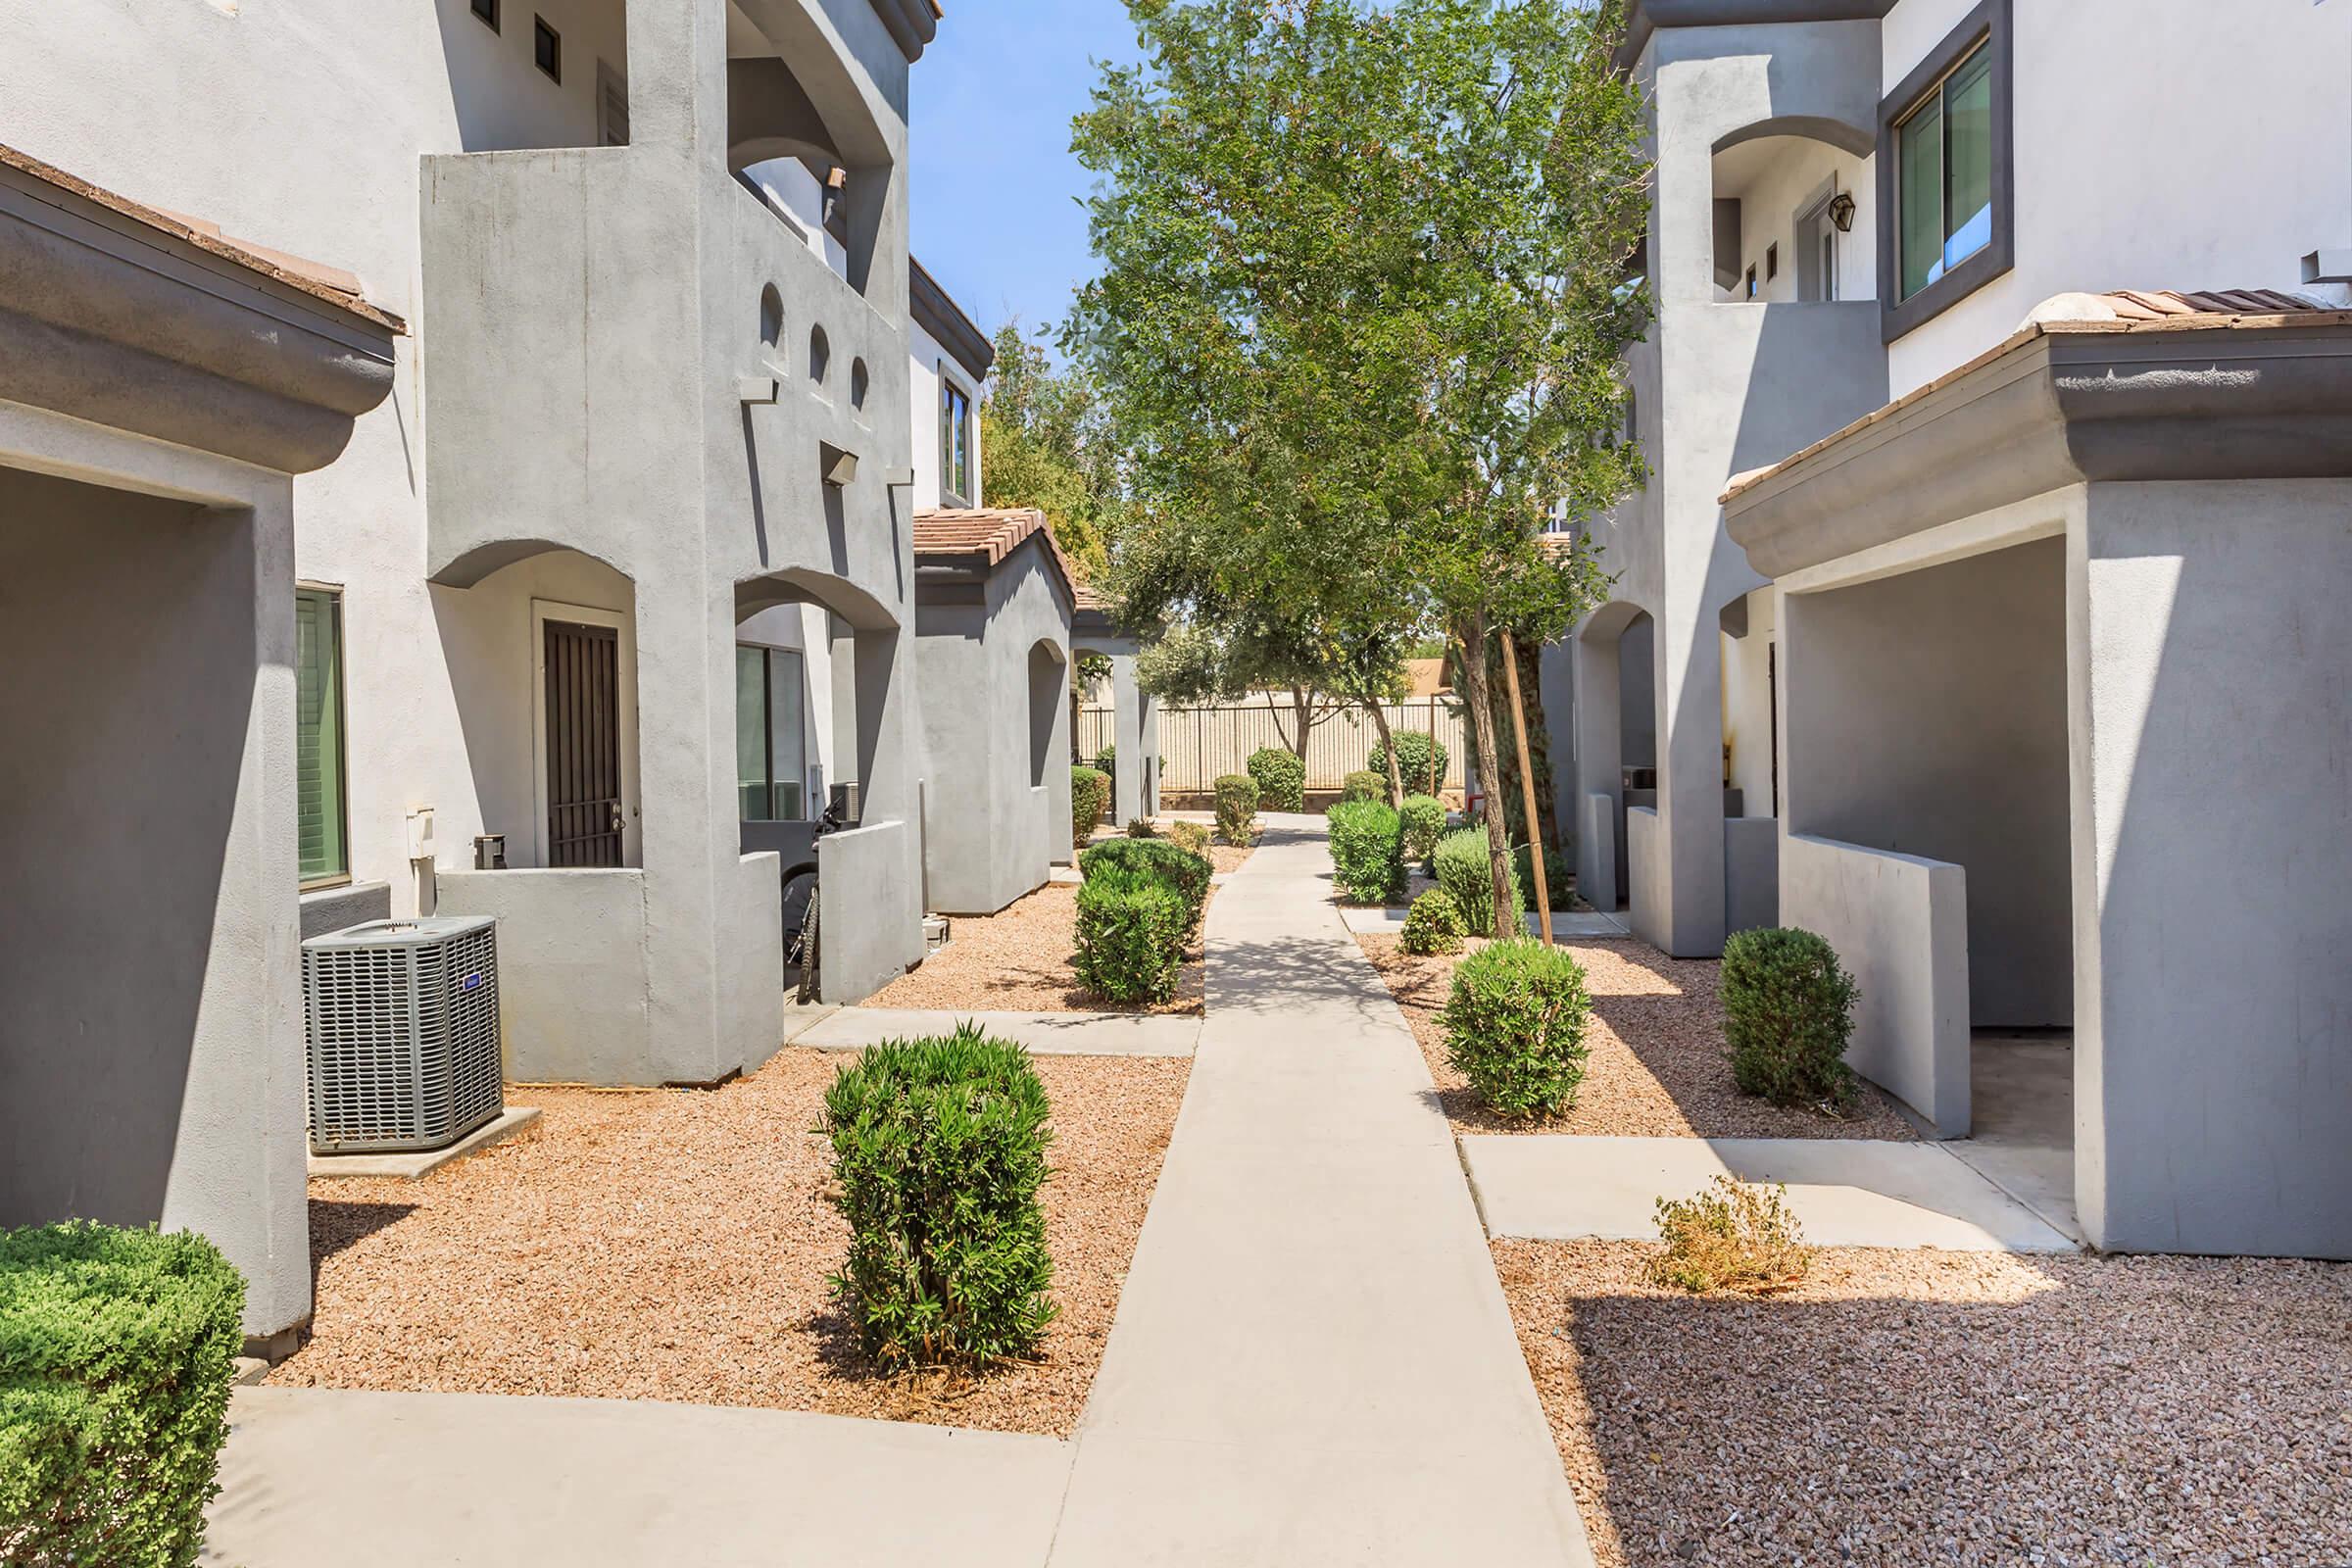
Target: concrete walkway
pixel 1844 1191
pixel 1312 1361
pixel 1052 1033
pixel 1566 925
pixel 313 1477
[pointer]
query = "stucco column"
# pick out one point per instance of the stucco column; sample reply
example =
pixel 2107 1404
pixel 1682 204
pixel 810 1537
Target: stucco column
pixel 1061 849
pixel 1127 733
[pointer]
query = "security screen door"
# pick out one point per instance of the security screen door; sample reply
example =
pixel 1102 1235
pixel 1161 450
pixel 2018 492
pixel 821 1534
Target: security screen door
pixel 584 816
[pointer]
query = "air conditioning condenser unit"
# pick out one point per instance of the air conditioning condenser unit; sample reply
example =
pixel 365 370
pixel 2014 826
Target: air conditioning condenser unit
pixel 402 1022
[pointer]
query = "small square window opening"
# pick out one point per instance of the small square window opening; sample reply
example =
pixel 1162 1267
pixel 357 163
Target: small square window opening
pixel 487 11
pixel 1772 262
pixel 547 48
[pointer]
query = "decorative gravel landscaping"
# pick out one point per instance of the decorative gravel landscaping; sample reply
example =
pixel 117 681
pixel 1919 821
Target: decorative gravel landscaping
pixel 1656 1065
pixel 1018 961
pixel 1950 1408
pixel 674 1245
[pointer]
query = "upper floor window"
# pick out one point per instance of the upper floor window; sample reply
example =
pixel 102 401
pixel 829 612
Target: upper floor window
pixel 954 442
pixel 1944 151
pixel 319 808
pixel 1945 187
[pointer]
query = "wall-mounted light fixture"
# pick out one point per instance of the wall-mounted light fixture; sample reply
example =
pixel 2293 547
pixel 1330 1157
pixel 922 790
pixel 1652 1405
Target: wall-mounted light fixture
pixel 1842 212
pixel 837 466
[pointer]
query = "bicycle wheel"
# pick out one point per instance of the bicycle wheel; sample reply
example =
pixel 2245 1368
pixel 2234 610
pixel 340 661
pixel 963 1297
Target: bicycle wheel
pixel 811 952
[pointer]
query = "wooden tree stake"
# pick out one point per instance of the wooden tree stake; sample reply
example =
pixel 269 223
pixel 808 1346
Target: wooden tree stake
pixel 1527 786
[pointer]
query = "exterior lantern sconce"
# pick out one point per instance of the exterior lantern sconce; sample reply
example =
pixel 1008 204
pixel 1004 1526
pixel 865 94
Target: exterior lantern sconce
pixel 1842 212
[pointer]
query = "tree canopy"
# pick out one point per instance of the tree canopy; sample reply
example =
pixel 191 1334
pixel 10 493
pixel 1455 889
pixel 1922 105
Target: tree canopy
pixel 1363 297
pixel 1047 444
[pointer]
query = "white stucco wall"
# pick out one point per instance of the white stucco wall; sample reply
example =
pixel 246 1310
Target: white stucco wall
pixel 1774 178
pixel 929 361
pixel 1748 703
pixel 2152 152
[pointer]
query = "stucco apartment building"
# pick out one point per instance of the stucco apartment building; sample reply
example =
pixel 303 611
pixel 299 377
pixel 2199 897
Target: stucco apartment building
pixel 419 424
pixel 1984 611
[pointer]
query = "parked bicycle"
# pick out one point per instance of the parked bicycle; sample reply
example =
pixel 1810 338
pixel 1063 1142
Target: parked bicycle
pixel 801 905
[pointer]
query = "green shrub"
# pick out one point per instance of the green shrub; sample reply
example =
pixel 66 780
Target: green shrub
pixel 1412 760
pixel 1461 865
pixel 1142 828
pixel 1185 871
pixel 1237 806
pixel 117 1350
pixel 1131 930
pixel 1191 837
pixel 1434 924
pixel 1090 793
pixel 1559 877
pixel 1787 1015
pixel 1424 821
pixel 1107 757
pixel 1731 1237
pixel 1515 1026
pixel 939 1148
pixel 1281 779
pixel 1367 850
pixel 1364 786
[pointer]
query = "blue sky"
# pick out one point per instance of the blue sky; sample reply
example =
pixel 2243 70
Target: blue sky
pixel 995 188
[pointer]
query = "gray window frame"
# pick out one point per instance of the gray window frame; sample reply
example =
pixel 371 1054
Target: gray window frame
pixel 1989 26
pixel 955 425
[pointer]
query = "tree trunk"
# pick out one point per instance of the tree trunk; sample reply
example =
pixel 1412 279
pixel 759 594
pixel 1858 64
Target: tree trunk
pixel 1470 631
pixel 1387 747
pixel 1303 706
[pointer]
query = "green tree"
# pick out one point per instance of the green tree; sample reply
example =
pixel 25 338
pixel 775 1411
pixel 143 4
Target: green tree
pixel 1361 309
pixel 1046 444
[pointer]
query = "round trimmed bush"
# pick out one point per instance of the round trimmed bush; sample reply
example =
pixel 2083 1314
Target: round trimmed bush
pixel 1281 779
pixel 1131 929
pixel 1433 924
pixel 117 1350
pixel 1461 865
pixel 1192 837
pixel 1367 850
pixel 1362 785
pixel 1090 793
pixel 1182 869
pixel 1423 818
pixel 1787 1017
pixel 1515 1026
pixel 1414 750
pixel 1237 806
pixel 939 1148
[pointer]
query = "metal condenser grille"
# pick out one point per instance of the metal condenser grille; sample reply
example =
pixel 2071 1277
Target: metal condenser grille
pixel 402 1018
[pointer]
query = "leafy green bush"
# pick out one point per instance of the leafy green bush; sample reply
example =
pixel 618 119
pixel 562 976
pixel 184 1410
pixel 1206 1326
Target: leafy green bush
pixel 1367 850
pixel 1413 749
pixel 939 1148
pixel 1515 1026
pixel 1182 869
pixel 1559 877
pixel 1424 821
pixel 1434 924
pixel 1281 779
pixel 1090 793
pixel 1461 865
pixel 1364 786
pixel 1131 930
pixel 117 1350
pixel 1107 757
pixel 1191 837
pixel 1731 1237
pixel 1787 1017
pixel 1237 806
pixel 1142 828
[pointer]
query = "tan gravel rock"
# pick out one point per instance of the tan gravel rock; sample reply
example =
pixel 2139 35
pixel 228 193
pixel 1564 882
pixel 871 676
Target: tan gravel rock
pixel 1656 1067
pixel 674 1245
pixel 1018 961
pixel 1968 1409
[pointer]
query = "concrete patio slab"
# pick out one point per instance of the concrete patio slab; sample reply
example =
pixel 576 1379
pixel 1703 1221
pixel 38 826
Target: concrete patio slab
pixel 1312 1361
pixel 2021 1120
pixel 359 1480
pixel 1052 1034
pixel 1566 925
pixel 1844 1192
pixel 417 1166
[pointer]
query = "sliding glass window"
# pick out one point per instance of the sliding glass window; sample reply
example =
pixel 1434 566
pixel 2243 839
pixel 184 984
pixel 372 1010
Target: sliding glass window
pixel 1945 168
pixel 770 734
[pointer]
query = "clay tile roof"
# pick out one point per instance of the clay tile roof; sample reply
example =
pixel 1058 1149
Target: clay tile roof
pixel 2128 310
pixel 989 532
pixel 329 284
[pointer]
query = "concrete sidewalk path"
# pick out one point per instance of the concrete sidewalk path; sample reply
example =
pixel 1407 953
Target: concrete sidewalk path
pixel 1844 1191
pixel 1057 1034
pixel 322 1476
pixel 1567 925
pixel 1312 1361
